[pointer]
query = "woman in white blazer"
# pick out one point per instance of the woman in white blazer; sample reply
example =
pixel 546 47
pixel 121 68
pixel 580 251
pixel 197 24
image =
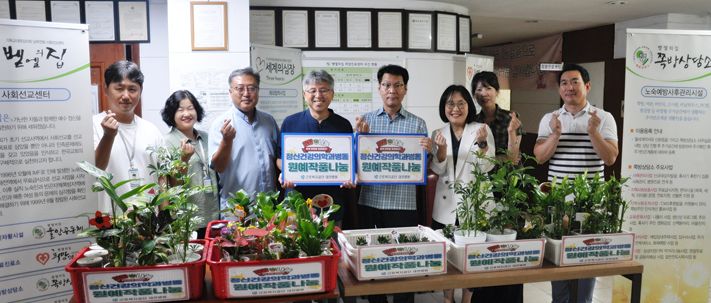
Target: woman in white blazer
pixel 454 160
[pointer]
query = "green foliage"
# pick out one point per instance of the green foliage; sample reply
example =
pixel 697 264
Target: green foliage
pixel 510 183
pixel 383 239
pixel 361 241
pixel 470 211
pixel 448 231
pixel 555 200
pixel 311 228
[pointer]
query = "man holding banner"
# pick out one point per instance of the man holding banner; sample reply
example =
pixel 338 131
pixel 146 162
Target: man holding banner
pixel 391 205
pixel 318 93
pixel 575 138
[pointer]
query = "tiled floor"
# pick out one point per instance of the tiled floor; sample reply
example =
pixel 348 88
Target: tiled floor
pixel 532 293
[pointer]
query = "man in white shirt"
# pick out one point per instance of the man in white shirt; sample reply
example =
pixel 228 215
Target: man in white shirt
pixel 120 136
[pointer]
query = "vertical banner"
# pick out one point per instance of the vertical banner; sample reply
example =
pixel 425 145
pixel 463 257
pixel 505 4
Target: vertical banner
pixel 280 84
pixel 476 64
pixel 666 154
pixel 45 128
pixel 516 64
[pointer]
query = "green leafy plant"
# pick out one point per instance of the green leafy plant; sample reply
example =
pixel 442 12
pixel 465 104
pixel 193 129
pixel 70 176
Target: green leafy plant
pixel 448 231
pixel 383 239
pixel 312 228
pixel 509 184
pixel 361 241
pixel 588 200
pixel 553 197
pixel 470 208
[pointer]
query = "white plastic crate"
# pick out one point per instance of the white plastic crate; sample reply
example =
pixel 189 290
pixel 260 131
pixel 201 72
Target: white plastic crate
pixel 458 257
pixel 590 249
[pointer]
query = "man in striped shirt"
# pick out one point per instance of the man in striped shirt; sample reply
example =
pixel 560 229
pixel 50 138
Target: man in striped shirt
pixel 576 137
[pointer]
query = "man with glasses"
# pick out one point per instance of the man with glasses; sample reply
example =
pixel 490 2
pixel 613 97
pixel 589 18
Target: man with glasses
pixel 385 206
pixel 243 140
pixel 318 93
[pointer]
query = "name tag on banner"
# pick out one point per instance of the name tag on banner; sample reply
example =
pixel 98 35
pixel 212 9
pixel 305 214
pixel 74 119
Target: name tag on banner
pixel 317 158
pixel 391 159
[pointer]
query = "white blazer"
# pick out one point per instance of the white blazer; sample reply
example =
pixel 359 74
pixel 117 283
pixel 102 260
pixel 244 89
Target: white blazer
pixel 445 199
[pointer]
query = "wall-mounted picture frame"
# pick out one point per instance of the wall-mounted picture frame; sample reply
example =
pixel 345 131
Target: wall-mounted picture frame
pixel 465 36
pixel 100 18
pixel 133 21
pixel 208 25
pixel 327 29
pixel 65 11
pixel 446 32
pixel 421 34
pixel 295 28
pixel 390 30
pixel 359 29
pixel 262 27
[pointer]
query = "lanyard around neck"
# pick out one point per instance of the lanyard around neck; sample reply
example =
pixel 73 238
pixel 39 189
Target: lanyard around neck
pixel 131 153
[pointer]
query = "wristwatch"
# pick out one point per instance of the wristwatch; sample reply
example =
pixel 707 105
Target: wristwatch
pixel 482 144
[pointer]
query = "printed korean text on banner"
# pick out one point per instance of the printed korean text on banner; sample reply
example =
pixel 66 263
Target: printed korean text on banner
pixel 665 152
pixel 45 128
pixel 280 89
pixel 317 158
pixel 516 64
pixel 391 159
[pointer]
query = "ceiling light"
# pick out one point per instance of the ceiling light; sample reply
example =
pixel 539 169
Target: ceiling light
pixel 617 2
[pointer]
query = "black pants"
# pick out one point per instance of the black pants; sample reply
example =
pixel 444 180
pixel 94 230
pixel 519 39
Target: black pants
pixel 373 217
pixel 496 294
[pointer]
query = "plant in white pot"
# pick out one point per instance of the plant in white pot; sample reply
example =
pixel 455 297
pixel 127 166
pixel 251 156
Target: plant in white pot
pixel 471 210
pixel 552 197
pixel 509 185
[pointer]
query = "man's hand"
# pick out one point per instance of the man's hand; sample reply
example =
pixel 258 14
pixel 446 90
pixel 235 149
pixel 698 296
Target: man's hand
pixel 482 134
pixel 110 124
pixel 228 132
pixel 427 144
pixel 514 124
pixel 555 125
pixel 440 141
pixel 186 150
pixel 593 122
pixel 287 184
pixel 362 126
pixel 351 184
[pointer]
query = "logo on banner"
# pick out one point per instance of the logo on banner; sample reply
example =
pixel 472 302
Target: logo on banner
pixel 38 232
pixel 390 146
pixel 316 145
pixel 597 241
pixel 42 258
pixel 502 247
pixel 643 57
pixel 273 271
pixel 42 284
pixel 400 251
pixel 132 278
pixel 470 73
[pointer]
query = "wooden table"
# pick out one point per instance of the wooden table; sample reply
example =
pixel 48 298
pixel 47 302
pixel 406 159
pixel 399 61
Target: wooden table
pixel 351 288
pixel 208 295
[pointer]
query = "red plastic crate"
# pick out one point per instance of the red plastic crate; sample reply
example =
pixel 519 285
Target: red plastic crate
pixel 221 278
pixel 195 274
pixel 209 225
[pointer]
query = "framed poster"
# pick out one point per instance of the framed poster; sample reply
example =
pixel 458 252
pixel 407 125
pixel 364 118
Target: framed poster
pixel 390 30
pixel 447 32
pixel 100 18
pixel 65 11
pixel 359 30
pixel 465 37
pixel 295 32
pixel 4 9
pixel 30 10
pixel 420 31
pixel 391 159
pixel 317 158
pixel 327 29
pixel 208 25
pixel 133 21
pixel 262 27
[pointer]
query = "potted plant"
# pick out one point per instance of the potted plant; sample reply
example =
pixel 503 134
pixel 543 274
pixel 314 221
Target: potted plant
pixel 509 185
pixel 470 208
pixel 552 197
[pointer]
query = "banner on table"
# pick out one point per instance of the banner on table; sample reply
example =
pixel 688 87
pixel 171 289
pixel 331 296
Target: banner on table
pixel 290 278
pixel 665 152
pixel 317 158
pixel 517 64
pixel 508 255
pixel 45 128
pixel 280 89
pixel 391 159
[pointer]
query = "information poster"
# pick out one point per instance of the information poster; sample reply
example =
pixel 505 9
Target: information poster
pixel 45 128
pixel 317 159
pixel 391 159
pixel 209 85
pixel 280 89
pixel 665 152
pixel 356 85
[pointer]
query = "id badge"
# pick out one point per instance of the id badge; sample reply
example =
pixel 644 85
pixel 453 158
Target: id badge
pixel 207 183
pixel 133 174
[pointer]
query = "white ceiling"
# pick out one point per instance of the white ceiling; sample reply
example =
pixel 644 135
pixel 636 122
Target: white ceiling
pixel 502 21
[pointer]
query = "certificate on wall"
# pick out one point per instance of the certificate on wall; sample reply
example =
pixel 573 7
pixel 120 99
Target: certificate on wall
pixel 446 32
pixel 133 21
pixel 262 27
pixel 30 10
pixel 65 11
pixel 419 31
pixel 4 9
pixel 317 158
pixel 328 28
pixel 391 159
pixel 389 29
pixel 295 29
pixel 100 18
pixel 209 25
pixel 359 31
pixel 465 37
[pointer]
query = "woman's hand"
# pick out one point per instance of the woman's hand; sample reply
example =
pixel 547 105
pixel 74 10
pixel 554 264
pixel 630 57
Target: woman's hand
pixel 481 133
pixel 440 141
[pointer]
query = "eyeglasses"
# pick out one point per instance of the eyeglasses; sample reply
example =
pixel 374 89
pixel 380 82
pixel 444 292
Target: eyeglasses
pixel 250 88
pixel 397 86
pixel 460 105
pixel 323 91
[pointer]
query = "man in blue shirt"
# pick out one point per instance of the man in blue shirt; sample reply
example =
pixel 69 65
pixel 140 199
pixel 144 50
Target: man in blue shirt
pixel 318 93
pixel 243 141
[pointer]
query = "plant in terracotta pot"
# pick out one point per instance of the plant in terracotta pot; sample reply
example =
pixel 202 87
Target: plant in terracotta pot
pixel 509 184
pixel 471 208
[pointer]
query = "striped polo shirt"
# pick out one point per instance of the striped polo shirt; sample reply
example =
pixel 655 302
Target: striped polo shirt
pixel 575 152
